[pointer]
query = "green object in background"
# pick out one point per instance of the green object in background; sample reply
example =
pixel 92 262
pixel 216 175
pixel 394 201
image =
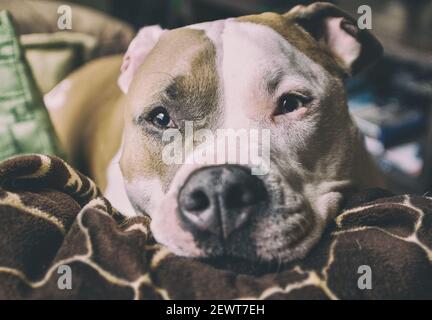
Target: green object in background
pixel 25 126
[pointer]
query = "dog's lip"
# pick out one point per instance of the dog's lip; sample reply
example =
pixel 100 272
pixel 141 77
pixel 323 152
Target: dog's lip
pixel 306 228
pixel 298 230
pixel 296 208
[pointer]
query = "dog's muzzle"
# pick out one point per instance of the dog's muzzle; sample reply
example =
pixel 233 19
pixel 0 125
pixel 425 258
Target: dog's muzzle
pixel 219 200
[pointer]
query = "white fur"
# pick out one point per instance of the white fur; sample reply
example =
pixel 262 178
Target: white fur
pixel 56 98
pixel 115 191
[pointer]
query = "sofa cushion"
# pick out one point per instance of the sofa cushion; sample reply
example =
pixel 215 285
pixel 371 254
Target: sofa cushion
pixel 112 35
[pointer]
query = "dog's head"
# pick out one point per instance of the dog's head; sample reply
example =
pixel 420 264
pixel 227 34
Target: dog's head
pixel 276 80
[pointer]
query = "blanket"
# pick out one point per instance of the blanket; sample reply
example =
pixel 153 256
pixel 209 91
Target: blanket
pixel 60 239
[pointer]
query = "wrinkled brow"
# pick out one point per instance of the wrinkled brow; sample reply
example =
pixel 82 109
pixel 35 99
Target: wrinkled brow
pixel 272 79
pixel 172 90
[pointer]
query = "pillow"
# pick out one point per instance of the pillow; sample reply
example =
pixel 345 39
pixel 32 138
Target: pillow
pixel 53 53
pixel 25 126
pixel 112 35
pixel 52 56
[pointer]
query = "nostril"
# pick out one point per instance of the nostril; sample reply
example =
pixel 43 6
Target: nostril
pixel 197 201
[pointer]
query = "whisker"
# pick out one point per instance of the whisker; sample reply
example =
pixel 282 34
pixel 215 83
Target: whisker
pixel 279 263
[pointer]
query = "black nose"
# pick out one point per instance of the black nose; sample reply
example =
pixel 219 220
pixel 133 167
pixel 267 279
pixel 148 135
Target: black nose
pixel 220 199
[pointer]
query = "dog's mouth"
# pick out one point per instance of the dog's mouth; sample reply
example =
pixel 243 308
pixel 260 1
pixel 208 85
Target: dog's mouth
pixel 267 239
pixel 242 261
pixel 242 255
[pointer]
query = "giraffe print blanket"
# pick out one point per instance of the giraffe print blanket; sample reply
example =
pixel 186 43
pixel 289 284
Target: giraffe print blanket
pixel 59 238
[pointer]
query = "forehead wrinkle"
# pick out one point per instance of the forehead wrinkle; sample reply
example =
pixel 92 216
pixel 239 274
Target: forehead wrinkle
pixel 171 90
pixel 272 80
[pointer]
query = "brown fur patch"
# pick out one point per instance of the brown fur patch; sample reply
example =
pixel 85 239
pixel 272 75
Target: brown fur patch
pixel 179 74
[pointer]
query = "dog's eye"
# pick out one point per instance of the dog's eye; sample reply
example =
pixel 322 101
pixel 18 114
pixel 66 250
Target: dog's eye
pixel 160 118
pixel 290 102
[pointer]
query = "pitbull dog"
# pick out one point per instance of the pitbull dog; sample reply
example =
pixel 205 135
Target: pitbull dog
pixel 283 72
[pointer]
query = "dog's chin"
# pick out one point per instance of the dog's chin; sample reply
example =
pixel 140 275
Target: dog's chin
pixel 243 265
pixel 246 259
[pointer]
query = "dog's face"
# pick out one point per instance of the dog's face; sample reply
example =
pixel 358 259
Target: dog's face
pixel 280 73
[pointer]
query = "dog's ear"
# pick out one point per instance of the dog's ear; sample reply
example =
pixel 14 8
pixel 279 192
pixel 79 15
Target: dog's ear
pixel 336 30
pixel 138 49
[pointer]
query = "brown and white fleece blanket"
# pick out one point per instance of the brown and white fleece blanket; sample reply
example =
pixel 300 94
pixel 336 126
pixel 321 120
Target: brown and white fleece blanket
pixel 52 216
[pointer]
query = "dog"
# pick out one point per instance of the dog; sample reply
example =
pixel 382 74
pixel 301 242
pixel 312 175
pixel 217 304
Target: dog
pixel 283 73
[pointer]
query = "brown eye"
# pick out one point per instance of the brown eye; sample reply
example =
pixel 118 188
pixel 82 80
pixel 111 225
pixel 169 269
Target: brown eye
pixel 290 102
pixel 160 118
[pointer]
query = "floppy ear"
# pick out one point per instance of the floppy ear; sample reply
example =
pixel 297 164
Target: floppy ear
pixel 336 30
pixel 138 49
